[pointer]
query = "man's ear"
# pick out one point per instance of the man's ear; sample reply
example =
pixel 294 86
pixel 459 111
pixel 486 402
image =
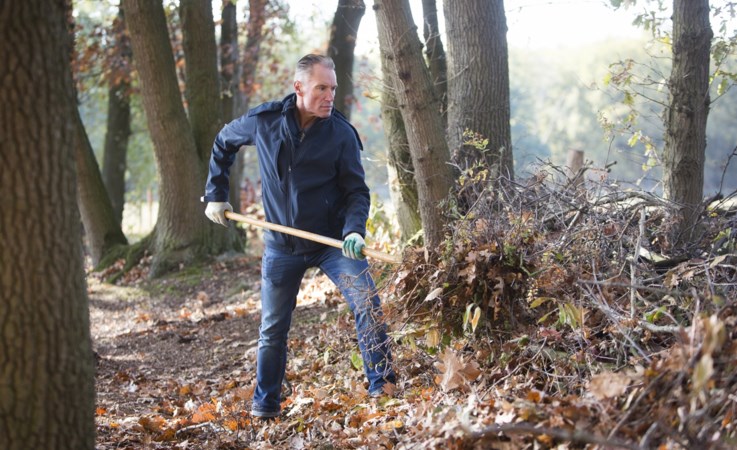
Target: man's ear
pixel 298 87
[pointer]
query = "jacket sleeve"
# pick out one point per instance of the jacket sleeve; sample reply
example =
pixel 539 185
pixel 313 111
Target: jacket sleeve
pixel 351 179
pixel 232 137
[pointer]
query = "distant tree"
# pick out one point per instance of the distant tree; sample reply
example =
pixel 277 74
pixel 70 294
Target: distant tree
pixel 229 59
pixel 246 72
pixel 103 232
pixel 182 233
pixel 118 116
pixel 419 105
pixel 102 222
pixel 47 397
pixel 435 52
pixel 685 117
pixel 341 46
pixel 478 85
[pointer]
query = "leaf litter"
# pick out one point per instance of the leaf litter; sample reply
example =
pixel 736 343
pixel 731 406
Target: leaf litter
pixel 540 326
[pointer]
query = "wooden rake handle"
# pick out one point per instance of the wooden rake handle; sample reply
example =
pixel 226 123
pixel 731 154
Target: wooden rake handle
pixel 381 256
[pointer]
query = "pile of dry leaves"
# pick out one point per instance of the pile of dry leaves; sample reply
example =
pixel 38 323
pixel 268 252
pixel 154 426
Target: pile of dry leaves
pixel 555 318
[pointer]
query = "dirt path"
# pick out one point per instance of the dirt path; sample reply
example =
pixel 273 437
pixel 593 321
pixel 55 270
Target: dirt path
pixel 161 345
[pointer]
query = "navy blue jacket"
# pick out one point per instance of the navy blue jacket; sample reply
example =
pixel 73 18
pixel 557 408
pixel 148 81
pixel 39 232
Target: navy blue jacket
pixel 312 180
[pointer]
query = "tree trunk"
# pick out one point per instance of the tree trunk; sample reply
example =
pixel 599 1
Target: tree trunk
pixel 230 94
pixel 229 59
pixel 341 47
pixel 201 71
pixel 180 234
pixel 685 137
pixel 101 227
pixel 118 119
pixel 255 36
pixel 247 73
pixel 402 185
pixel 203 96
pixel 419 106
pixel 478 85
pixel 435 53
pixel 47 397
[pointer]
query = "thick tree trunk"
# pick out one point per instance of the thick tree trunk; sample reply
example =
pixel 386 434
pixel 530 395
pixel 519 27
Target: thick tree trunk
pixel 102 229
pixel 435 53
pixel 419 105
pixel 402 185
pixel 47 397
pixel 201 71
pixel 478 84
pixel 179 235
pixel 118 119
pixel 203 96
pixel 685 137
pixel 341 47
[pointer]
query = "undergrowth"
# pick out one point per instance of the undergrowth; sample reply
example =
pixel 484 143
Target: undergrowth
pixel 571 295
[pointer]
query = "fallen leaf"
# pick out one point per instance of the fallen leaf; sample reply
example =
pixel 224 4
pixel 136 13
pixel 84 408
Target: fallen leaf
pixel 455 372
pixel 608 384
pixel 435 293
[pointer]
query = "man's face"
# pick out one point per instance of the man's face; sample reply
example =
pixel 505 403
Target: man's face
pixel 317 92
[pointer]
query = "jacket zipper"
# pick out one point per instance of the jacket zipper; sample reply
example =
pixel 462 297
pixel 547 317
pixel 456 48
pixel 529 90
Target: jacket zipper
pixel 292 159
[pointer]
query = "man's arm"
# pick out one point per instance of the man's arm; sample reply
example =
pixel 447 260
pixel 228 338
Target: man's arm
pixel 356 196
pixel 231 138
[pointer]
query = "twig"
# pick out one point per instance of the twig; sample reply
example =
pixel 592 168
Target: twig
pixel 577 436
pixel 633 263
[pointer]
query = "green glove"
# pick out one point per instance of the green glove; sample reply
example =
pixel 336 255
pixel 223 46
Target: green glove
pixel 353 244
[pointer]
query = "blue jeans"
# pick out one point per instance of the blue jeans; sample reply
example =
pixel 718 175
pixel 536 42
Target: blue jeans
pixel 281 276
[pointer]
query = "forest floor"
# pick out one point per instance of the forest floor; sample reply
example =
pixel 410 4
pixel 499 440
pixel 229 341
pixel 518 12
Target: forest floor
pixel 568 359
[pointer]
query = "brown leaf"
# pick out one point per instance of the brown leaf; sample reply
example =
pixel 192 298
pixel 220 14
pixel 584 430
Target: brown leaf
pixel 608 384
pixel 455 372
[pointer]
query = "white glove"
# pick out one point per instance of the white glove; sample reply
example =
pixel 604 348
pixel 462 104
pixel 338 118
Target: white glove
pixel 215 211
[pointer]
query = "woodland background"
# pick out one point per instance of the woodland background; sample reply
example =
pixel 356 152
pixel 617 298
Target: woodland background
pixel 536 306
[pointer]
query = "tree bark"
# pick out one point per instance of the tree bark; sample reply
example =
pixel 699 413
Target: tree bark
pixel 419 106
pixel 685 137
pixel 435 53
pixel 101 227
pixel 402 185
pixel 201 71
pixel 47 396
pixel 230 94
pixel 255 36
pixel 229 59
pixel 478 84
pixel 341 48
pixel 118 119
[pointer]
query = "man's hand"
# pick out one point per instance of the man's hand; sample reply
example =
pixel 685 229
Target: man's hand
pixel 215 211
pixel 353 244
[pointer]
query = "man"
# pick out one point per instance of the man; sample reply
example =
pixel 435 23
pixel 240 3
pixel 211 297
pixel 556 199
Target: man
pixel 312 179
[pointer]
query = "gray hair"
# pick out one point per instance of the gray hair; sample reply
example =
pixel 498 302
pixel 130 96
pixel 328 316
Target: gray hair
pixel 307 62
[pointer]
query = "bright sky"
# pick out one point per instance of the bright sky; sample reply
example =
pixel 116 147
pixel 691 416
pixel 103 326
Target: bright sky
pixel 531 23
